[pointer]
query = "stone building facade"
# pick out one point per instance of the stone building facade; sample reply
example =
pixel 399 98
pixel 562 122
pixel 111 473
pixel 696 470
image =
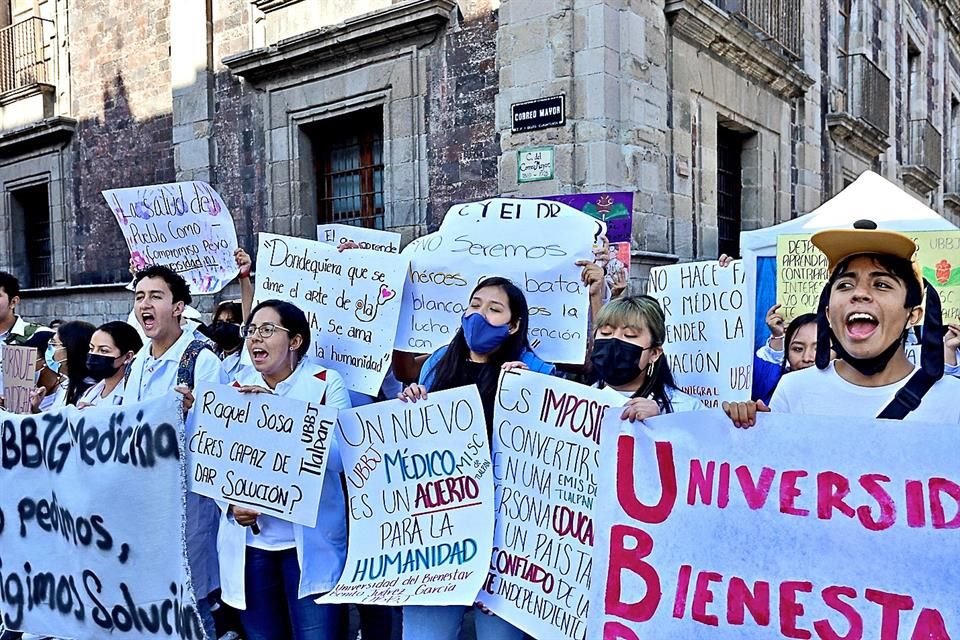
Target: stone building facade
pixel 718 115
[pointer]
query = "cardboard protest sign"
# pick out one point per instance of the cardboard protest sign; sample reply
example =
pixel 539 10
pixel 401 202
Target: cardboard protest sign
pixel 19 371
pixel 707 347
pixel 368 239
pixel 184 225
pixel 796 528
pixel 260 451
pixel 802 271
pixel 420 494
pixel 351 298
pixel 546 458
pixel 533 243
pixel 92 524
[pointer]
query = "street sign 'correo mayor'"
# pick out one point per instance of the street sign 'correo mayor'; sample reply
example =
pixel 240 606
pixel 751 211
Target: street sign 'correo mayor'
pixel 542 113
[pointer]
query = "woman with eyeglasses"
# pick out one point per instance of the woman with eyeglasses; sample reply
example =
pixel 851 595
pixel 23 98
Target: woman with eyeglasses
pixel 271 569
pixel 66 356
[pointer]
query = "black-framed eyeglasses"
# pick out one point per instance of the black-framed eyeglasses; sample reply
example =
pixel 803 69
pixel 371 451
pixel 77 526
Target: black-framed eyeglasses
pixel 266 330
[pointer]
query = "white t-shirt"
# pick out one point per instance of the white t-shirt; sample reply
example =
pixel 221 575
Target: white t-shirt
pixel 823 392
pixel 679 401
pixel 94 396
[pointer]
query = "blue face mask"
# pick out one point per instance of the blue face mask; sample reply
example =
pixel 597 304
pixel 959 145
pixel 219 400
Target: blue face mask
pixel 48 357
pixel 481 336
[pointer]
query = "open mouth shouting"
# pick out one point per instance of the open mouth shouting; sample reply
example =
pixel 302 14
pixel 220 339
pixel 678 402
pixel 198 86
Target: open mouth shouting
pixel 861 325
pixel 259 355
pixel 148 320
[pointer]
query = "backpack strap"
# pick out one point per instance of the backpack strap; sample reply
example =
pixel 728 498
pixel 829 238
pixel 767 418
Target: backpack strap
pixel 188 362
pixel 909 396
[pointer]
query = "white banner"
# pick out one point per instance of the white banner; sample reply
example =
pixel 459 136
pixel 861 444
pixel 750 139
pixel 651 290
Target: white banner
pixel 260 451
pixel 91 524
pixel 534 243
pixel 351 298
pixel 368 239
pixel 799 527
pixel 184 226
pixel 420 501
pixel 546 458
pixel 708 348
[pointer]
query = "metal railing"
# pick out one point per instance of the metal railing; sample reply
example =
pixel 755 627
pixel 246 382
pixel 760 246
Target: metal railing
pixel 780 20
pixel 925 146
pixel 24 59
pixel 866 91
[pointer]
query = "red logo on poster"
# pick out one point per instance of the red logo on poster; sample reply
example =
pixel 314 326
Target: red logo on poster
pixel 943 271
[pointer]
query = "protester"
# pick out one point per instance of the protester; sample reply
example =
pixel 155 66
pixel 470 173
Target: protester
pixel 627 357
pixel 55 324
pixel 66 356
pixel 800 338
pixel 113 347
pixel 492 336
pixel 13 329
pixel 225 333
pixel 174 358
pixel 271 569
pixel 874 295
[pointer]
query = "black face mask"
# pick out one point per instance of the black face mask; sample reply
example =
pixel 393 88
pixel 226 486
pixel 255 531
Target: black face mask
pixel 101 367
pixel 226 335
pixel 868 366
pixel 616 361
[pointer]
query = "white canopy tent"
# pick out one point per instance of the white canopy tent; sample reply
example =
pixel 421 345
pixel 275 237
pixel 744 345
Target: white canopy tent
pixel 870 197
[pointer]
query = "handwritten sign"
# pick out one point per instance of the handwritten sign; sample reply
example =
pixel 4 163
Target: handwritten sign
pixel 92 523
pixel 802 271
pixel 261 451
pixel 793 529
pixel 707 348
pixel 368 239
pixel 533 243
pixel 546 459
pixel 420 501
pixel 351 298
pixel 184 226
pixel 19 370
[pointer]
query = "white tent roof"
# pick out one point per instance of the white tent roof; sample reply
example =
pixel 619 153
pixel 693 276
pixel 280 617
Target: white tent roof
pixel 870 196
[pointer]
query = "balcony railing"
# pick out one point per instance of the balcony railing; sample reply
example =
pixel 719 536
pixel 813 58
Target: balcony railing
pixel 24 59
pixel 866 91
pixel 925 146
pixel 779 20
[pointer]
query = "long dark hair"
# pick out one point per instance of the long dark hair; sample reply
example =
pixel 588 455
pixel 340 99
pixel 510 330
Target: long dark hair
pixel 637 311
pixel 124 336
pixel 75 336
pixel 800 321
pixel 453 369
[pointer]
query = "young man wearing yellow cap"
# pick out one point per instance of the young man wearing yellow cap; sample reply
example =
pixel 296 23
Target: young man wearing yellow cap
pixel 874 295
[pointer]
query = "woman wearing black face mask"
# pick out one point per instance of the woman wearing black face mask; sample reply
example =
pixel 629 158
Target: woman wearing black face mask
pixel 225 333
pixel 112 348
pixel 627 356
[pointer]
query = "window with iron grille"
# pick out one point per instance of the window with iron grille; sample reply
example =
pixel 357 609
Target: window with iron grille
pixel 348 154
pixel 729 190
pixel 31 220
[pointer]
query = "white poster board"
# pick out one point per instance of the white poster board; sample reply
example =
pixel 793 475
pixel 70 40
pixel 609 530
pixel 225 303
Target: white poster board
pixel 92 524
pixel 184 225
pixel 420 501
pixel 368 239
pixel 546 459
pixel 259 451
pixel 707 347
pixel 534 243
pixel 351 298
pixel 799 527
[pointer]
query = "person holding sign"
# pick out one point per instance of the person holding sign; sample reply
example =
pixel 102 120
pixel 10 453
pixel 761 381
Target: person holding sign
pixel 271 569
pixel 111 342
pixel 626 356
pixel 874 295
pixel 492 336
pixel 800 338
pixel 66 356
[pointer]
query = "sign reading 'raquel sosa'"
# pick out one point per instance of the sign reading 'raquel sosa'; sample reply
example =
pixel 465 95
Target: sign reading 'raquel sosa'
pixel 185 226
